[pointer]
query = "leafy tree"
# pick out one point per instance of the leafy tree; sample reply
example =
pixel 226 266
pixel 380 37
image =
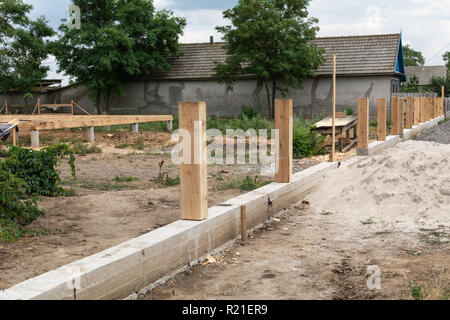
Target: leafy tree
pixel 24 46
pixel 118 39
pixel 446 58
pixel 412 57
pixel 412 86
pixel 437 83
pixel 270 39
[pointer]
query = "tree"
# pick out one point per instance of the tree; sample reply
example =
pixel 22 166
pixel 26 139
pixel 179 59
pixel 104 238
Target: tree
pixel 437 83
pixel 446 58
pixel 412 57
pixel 118 39
pixel 412 86
pixel 270 39
pixel 24 45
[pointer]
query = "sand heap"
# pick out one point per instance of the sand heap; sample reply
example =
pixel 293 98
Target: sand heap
pixel 407 186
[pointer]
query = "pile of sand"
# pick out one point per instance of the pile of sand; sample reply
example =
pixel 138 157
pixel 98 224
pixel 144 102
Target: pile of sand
pixel 407 186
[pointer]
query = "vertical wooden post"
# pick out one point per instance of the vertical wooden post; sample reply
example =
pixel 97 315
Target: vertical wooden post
pixel 244 224
pixel 394 116
pixel 284 123
pixel 39 105
pixel 423 109
pixel 416 111
pixel 401 116
pixel 363 123
pixel 381 118
pixel 333 121
pixel 442 113
pixel 194 171
pixel 6 110
pixel 14 137
pixel 72 107
pixel 409 112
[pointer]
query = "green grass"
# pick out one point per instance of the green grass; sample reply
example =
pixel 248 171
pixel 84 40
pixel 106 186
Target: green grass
pixel 417 292
pixel 84 149
pixel 139 144
pixel 121 146
pixel 125 179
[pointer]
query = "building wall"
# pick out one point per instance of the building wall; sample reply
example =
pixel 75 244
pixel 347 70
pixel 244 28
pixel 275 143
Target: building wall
pixel 162 97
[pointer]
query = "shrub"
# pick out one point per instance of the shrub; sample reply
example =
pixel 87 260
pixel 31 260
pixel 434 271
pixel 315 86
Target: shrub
pixel 306 141
pixel 249 113
pixel 83 149
pixel 349 111
pixel 139 144
pixel 250 184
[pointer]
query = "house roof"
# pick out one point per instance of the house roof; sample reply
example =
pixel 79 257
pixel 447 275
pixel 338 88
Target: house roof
pixel 425 73
pixel 356 55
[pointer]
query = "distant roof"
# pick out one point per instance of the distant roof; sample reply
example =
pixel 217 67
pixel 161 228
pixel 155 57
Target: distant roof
pixel 356 55
pixel 424 74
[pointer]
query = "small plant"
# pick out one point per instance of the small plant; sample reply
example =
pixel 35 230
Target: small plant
pixel 349 111
pixel 139 144
pixel 84 149
pixel 250 184
pixel 306 141
pixel 125 179
pixel 121 146
pixel 164 178
pixel 417 292
pixel 249 113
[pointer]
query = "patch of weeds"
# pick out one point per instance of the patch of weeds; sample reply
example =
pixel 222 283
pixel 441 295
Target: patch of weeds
pixel 121 146
pixel 250 184
pixel 125 179
pixel 368 221
pixel 435 237
pixel 164 178
pixel 349 111
pixel 84 149
pixel 445 293
pixel 443 121
pixel 417 292
pixel 139 144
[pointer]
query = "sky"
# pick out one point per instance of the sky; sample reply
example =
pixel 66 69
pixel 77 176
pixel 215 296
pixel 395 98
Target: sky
pixel 425 24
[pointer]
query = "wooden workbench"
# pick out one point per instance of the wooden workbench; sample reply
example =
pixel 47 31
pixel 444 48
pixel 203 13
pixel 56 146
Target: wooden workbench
pixel 346 132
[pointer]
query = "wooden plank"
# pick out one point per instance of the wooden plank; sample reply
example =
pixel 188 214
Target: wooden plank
pixel 194 167
pixel 401 116
pixel 341 115
pixel 394 116
pixel 416 111
pixel 284 123
pixel 423 109
pixel 442 111
pixel 333 126
pixel 381 119
pixel 244 224
pixel 409 112
pixel 363 123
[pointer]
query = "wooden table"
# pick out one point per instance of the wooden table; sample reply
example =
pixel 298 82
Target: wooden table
pixel 346 132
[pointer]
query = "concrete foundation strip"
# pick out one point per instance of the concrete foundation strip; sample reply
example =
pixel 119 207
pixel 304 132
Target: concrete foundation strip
pixel 151 259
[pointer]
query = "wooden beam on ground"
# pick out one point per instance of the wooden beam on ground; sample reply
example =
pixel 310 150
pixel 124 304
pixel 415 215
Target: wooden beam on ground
pixel 194 167
pixel 333 125
pixel 363 123
pixel 409 112
pixel 416 111
pixel 381 120
pixel 284 123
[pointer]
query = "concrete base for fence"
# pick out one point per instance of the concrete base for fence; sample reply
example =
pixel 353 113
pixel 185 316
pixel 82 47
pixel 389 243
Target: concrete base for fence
pixel 378 146
pixel 125 269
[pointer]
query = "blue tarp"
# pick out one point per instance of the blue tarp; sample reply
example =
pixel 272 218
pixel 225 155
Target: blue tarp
pixel 6 130
pixel 400 63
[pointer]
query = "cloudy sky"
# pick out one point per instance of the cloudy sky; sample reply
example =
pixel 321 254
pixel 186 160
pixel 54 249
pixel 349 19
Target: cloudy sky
pixel 425 23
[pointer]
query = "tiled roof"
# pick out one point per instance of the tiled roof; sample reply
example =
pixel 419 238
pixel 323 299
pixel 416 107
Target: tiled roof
pixel 426 73
pixel 356 55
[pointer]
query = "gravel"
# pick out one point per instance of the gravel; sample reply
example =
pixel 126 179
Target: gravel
pixel 440 134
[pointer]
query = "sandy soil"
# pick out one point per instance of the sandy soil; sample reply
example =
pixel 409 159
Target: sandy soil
pixel 390 211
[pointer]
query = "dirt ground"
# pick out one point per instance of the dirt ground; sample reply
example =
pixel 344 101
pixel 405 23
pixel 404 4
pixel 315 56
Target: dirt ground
pixel 116 199
pixel 388 213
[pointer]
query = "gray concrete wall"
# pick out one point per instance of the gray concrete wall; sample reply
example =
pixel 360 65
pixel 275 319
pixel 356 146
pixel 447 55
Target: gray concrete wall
pixel 150 97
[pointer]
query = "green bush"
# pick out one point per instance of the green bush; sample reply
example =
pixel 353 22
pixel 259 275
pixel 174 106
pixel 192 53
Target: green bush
pixel 349 111
pixel 38 168
pixel 249 113
pixel 306 141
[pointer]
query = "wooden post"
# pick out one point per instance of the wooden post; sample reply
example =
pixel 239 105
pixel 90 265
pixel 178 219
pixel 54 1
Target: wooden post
pixel 401 116
pixel 442 113
pixel 423 109
pixel 6 106
pixel 284 123
pixel 394 116
pixel 381 118
pixel 194 171
pixel 333 130
pixel 363 123
pixel 39 106
pixel 409 112
pixel 416 111
pixel 14 137
pixel 72 107
pixel 244 224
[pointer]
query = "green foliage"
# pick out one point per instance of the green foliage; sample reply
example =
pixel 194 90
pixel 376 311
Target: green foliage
pixel 118 39
pixel 412 57
pixel 24 46
pixel 84 149
pixel 250 184
pixel 412 86
pixel 125 179
pixel 446 58
pixel 38 168
pixel 139 144
pixel 305 140
pixel 249 113
pixel 417 292
pixel 349 111
pixel 437 83
pixel 270 39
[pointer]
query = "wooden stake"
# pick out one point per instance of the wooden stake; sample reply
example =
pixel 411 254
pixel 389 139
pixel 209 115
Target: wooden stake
pixel 39 106
pixel 416 111
pixel 423 109
pixel 442 113
pixel 72 107
pixel 194 171
pixel 6 105
pixel 363 123
pixel 409 112
pixel 14 137
pixel 244 224
pixel 284 123
pixel 381 117
pixel 333 121
pixel 394 116
pixel 401 116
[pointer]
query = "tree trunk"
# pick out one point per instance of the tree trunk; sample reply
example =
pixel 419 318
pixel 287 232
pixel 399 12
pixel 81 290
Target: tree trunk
pixel 97 103
pixel 269 101
pixel 274 96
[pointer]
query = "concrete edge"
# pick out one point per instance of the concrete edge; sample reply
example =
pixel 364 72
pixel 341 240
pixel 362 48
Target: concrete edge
pixel 378 146
pixel 119 271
